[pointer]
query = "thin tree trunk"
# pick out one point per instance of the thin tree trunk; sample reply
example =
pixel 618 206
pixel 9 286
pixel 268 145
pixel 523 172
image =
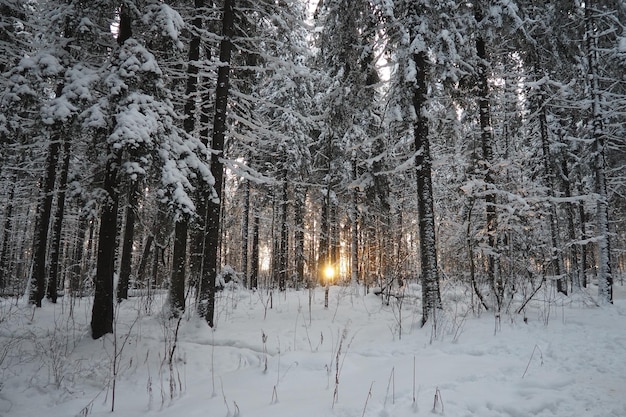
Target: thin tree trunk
pixel 254 262
pixel 487 158
pixel 299 234
pixel 576 272
pixel 8 223
pixel 42 224
pixel 354 232
pixel 605 279
pixel 284 241
pixel 245 232
pixel 76 271
pixel 583 248
pixel 145 255
pixel 127 244
pixel 556 258
pixel 177 284
pixel 57 227
pixel 431 298
pixel 212 240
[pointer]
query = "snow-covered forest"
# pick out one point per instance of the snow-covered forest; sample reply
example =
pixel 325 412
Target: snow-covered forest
pixel 453 160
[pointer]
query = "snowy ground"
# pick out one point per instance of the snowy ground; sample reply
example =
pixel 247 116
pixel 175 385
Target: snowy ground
pixel 567 359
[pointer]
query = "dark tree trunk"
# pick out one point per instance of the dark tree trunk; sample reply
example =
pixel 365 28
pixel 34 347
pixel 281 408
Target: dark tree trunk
pixel 555 252
pixel 8 223
pixel 284 242
pixel 354 229
pixel 76 270
pixel 431 298
pixel 487 157
pixel 42 224
pixel 323 252
pixel 605 278
pixel 177 285
pixel 57 227
pixel 212 240
pixel 127 244
pixel 576 270
pixel 102 311
pixel 145 256
pixel 299 234
pixel 254 262
pixel 196 258
pixel 245 225
pixel 583 248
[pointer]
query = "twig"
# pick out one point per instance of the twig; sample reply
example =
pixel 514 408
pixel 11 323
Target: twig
pixel 369 395
pixel 438 400
pixel 392 384
pixel 413 380
pixel 531 358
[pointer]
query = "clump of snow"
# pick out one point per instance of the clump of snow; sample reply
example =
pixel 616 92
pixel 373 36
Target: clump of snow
pixel 273 354
pixel 165 21
pixel 57 110
pixel 621 44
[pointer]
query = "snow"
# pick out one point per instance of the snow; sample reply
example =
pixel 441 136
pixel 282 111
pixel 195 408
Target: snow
pixel 621 44
pixel 270 357
pixel 165 21
pixel 57 110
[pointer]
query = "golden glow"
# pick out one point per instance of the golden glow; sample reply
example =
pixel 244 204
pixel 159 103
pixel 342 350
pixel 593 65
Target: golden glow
pixel 329 273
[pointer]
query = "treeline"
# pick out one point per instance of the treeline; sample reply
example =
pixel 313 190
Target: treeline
pixel 184 144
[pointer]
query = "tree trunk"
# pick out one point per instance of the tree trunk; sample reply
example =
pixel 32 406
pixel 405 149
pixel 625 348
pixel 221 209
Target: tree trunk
pixel 431 298
pixel 323 252
pixel 76 270
pixel 102 311
pixel 245 233
pixel 8 223
pixel 284 241
pixel 605 279
pixel 487 157
pixel 145 256
pixel 583 248
pixel 556 256
pixel 127 244
pixel 254 262
pixel 177 284
pixel 55 246
pixel 576 271
pixel 299 234
pixel 212 239
pixel 354 232
pixel 38 277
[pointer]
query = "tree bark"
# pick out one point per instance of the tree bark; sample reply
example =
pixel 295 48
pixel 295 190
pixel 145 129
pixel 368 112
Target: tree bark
pixel 605 279
pixel 177 284
pixel 127 244
pixel 299 234
pixel 102 310
pixel 57 227
pixel 214 205
pixel 284 240
pixel 486 136
pixel 8 226
pixel 431 298
pixel 38 276
pixel 254 262
pixel 556 255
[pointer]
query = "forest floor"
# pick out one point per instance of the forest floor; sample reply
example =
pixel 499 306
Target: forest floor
pixel 289 356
